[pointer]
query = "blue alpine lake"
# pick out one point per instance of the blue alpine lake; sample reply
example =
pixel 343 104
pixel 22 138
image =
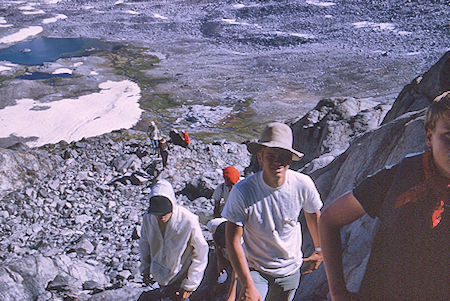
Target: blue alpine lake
pixel 42 75
pixel 42 50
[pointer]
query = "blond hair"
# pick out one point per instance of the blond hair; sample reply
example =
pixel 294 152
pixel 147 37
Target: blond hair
pixel 437 110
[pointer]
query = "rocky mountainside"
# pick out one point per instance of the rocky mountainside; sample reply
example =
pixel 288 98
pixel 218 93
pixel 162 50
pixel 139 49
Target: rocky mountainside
pixel 70 214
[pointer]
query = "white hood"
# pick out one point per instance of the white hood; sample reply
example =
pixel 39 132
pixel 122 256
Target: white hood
pixel 164 188
pixel 181 250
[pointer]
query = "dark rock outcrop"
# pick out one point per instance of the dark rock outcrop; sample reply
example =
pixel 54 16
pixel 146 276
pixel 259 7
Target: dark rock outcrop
pixel 422 90
pixel 327 130
pixel 401 133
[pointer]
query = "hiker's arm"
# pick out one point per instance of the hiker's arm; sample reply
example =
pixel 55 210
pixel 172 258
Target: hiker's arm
pixel 231 296
pixel 198 262
pixel 342 211
pixel 233 235
pixel 313 262
pixel 144 252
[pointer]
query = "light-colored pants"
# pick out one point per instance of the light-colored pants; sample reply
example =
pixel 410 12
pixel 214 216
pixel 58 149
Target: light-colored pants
pixel 271 288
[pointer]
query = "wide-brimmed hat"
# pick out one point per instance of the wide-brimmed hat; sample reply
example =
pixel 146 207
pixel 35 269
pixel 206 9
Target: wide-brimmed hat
pixel 277 135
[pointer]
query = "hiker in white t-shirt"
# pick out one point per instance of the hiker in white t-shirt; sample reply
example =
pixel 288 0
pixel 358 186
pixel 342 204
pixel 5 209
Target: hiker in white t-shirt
pixel 264 209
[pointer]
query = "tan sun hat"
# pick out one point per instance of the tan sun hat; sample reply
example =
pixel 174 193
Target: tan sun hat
pixel 278 135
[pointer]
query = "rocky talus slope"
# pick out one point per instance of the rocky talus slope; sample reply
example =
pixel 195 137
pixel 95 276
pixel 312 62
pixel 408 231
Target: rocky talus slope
pixel 70 214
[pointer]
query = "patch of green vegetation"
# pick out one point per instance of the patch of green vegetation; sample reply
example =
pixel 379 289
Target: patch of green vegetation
pixel 242 121
pixel 56 81
pixel 4 78
pixel 238 126
pixel 133 62
pixel 120 135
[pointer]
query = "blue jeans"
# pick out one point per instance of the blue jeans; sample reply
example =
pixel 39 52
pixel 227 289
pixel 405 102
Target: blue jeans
pixel 276 288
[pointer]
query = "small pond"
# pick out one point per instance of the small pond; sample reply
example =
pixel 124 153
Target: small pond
pixel 42 50
pixel 42 75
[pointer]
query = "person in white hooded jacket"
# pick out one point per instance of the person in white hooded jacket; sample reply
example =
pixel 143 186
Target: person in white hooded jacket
pixel 172 247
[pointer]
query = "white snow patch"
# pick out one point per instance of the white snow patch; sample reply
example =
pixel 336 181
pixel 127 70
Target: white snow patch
pixel 52 1
pixel 234 22
pixel 132 12
pixel 4 68
pixel 320 3
pixel 114 107
pixel 94 73
pixel 295 34
pixel 376 26
pixel 328 16
pixel 22 34
pixel 62 70
pixel 381 26
pixel 5 25
pixel 239 5
pixel 27 7
pixel 54 19
pixel 118 2
pixel 77 64
pixel 158 16
pixel 34 12
pixel 404 33
pixel 302 35
pixel 2 20
pixel 413 53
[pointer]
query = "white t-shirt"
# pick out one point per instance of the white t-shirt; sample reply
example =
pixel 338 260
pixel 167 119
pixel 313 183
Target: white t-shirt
pixel 272 233
pixel 221 191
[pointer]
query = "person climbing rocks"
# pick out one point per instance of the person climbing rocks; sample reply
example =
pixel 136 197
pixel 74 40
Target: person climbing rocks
pixel 153 134
pixel 264 210
pixel 409 256
pixel 163 151
pixel 220 196
pixel 172 248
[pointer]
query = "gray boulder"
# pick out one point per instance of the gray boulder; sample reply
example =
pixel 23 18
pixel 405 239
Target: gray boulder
pixel 422 90
pixel 26 278
pixel 401 133
pixel 327 130
pixel 20 167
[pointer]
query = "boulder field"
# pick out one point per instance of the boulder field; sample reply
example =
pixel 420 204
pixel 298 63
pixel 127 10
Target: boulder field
pixel 70 213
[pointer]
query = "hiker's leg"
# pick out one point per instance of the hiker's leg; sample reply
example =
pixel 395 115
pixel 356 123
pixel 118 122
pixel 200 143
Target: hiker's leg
pixel 283 288
pixel 261 283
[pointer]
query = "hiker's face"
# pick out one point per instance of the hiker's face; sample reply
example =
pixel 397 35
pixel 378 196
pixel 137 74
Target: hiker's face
pixel 165 218
pixel 275 162
pixel 228 183
pixel 438 140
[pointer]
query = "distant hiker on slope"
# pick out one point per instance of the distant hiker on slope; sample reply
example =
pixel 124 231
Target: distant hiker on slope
pixel 163 149
pixel 179 138
pixel 153 134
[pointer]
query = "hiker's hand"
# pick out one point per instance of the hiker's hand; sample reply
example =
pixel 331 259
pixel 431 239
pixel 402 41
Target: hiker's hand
pixel 146 278
pixel 312 262
pixel 183 294
pixel 249 293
